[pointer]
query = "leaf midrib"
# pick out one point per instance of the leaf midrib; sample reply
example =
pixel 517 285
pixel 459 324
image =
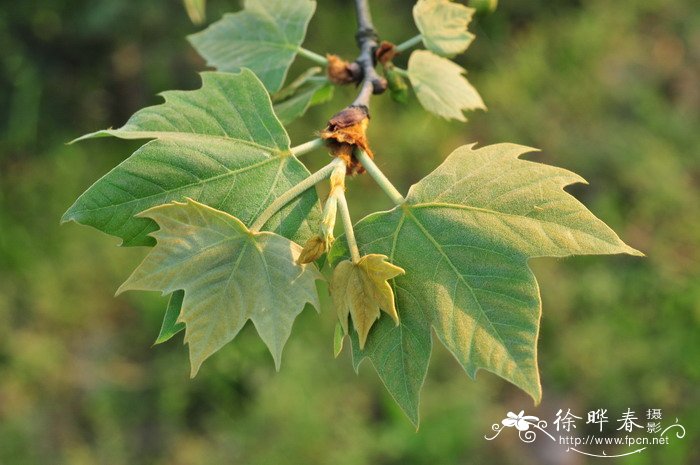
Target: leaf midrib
pixel 482 313
pixel 187 137
pixel 285 46
pixel 186 186
pixel 499 213
pixel 394 242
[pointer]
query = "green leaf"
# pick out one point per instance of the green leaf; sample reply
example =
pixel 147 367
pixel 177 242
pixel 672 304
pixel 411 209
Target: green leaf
pixel 196 10
pixel 264 37
pixel 464 237
pixel 229 275
pixel 306 91
pixel 170 325
pixel 220 145
pixel 443 25
pixel 441 87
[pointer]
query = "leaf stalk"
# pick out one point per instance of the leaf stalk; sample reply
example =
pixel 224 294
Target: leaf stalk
pixel 347 225
pixel 313 56
pixel 410 43
pixel 401 72
pixel 379 177
pixel 294 192
pixel 307 147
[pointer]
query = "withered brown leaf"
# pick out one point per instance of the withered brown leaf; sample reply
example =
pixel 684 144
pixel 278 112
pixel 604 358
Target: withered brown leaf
pixel 386 52
pixel 341 71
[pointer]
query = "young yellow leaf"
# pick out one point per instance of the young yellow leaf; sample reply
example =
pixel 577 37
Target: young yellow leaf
pixel 361 290
pixel 196 10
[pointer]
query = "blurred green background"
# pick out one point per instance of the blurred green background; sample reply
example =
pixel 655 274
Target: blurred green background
pixel 610 90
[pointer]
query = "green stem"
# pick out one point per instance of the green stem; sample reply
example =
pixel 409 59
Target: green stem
pixel 347 226
pixel 307 147
pixel 379 177
pixel 293 193
pixel 410 43
pixel 401 72
pixel 313 56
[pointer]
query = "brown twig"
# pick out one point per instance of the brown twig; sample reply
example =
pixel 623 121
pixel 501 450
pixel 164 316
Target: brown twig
pixel 346 130
pixel 367 40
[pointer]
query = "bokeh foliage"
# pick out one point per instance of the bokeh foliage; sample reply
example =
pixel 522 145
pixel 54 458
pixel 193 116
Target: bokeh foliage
pixel 606 89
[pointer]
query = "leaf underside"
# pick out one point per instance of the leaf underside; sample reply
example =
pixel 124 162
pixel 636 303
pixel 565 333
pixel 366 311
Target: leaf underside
pixel 221 145
pixel 229 275
pixel 441 87
pixel 264 37
pixel 443 26
pixel 464 237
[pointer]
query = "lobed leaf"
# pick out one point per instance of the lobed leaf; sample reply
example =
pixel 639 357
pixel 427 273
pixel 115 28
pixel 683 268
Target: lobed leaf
pixel 443 25
pixel 229 275
pixel 221 145
pixel 464 237
pixel 361 290
pixel 264 37
pixel 441 87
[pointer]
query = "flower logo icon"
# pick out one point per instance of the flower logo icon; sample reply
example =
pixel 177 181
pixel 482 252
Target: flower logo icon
pixel 520 421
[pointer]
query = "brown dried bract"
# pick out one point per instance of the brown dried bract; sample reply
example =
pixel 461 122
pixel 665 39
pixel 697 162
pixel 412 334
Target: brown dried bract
pixel 340 71
pixel 386 52
pixel 345 131
pixel 313 249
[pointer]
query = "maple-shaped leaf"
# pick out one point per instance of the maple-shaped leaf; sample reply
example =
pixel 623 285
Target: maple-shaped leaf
pixel 229 275
pixel 464 236
pixel 304 92
pixel 264 37
pixel 441 87
pixel 221 145
pixel 361 289
pixel 443 25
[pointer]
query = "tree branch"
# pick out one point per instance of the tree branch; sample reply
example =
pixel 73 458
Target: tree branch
pixel 367 40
